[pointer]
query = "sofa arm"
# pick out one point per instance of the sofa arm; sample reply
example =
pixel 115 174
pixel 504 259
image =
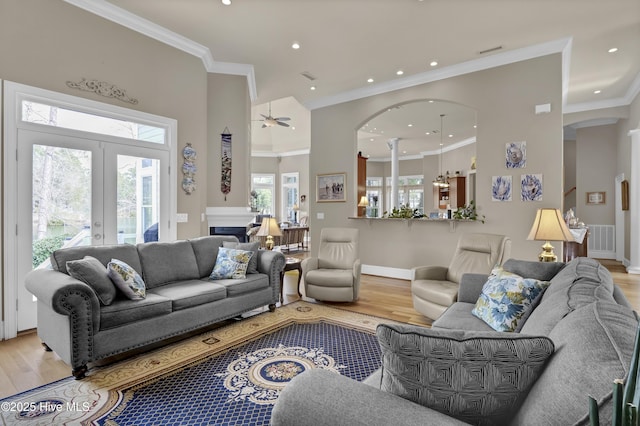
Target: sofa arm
pixel 438 273
pixel 64 294
pixel 319 397
pixel 271 263
pixel 471 287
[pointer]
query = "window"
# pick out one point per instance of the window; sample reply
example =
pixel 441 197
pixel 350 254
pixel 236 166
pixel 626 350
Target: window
pixel 56 116
pixel 289 196
pixel 264 187
pixel 410 192
pixel 374 195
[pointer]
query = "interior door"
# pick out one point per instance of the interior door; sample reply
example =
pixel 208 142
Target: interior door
pixel 60 197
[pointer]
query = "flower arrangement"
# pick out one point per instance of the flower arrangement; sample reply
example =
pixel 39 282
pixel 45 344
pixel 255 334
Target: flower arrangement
pixel 253 202
pixel 467 212
pixel 404 212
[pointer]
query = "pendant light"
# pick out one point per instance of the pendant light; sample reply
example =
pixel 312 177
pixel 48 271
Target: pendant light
pixel 441 181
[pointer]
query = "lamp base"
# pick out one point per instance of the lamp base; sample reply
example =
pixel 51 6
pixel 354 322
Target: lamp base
pixel 269 243
pixel 547 254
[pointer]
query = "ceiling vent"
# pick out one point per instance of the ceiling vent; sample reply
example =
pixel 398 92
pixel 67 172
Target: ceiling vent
pixel 493 49
pixel 307 75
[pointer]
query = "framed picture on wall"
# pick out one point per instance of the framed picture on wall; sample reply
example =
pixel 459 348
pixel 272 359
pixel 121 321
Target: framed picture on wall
pixel 596 197
pixel 330 187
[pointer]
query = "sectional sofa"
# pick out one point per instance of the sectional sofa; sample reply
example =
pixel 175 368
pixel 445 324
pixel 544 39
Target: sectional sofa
pixel 573 345
pixel 84 318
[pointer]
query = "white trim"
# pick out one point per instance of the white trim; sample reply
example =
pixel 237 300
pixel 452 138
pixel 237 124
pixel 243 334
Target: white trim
pixel 271 154
pixel 143 26
pixel 14 93
pixel 557 46
pixel 386 271
pixel 423 154
pixel 631 94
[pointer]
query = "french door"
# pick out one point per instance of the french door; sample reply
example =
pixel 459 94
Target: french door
pixel 75 191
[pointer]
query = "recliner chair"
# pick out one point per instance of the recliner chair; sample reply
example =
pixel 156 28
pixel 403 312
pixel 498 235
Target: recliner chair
pixel 334 275
pixel 435 288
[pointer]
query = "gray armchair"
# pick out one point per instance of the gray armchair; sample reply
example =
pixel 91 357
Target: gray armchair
pixel 334 275
pixel 435 288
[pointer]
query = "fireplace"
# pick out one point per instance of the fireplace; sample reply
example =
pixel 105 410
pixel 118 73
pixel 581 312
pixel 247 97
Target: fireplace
pixel 240 232
pixel 229 221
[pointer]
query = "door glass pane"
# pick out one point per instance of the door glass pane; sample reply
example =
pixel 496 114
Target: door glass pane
pixel 138 199
pixel 61 200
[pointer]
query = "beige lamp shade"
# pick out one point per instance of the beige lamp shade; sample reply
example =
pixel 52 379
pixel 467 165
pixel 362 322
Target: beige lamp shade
pixel 269 228
pixel 364 201
pixel 549 225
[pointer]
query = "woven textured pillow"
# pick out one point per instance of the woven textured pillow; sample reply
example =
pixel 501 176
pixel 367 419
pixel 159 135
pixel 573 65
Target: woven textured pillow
pixel 231 263
pixel 252 267
pixel 477 377
pixel 92 272
pixel 128 281
pixel 507 299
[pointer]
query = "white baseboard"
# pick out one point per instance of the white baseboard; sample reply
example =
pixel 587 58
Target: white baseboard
pixel 626 263
pixel 385 271
pixel 602 254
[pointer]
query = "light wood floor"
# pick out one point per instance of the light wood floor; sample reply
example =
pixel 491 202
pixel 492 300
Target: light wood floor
pixel 24 364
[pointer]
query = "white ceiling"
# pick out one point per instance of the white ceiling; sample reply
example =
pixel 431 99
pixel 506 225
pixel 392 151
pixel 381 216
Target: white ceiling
pixel 345 42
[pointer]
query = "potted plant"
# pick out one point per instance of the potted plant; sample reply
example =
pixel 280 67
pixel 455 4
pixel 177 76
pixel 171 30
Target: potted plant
pixel 467 212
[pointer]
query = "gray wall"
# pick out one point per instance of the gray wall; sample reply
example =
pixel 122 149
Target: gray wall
pixel 505 98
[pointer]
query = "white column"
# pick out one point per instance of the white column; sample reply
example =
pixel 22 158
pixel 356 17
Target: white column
pixel 634 203
pixel 393 146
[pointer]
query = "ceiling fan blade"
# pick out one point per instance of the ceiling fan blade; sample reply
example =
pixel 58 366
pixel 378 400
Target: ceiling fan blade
pixel 282 124
pixel 264 125
pixel 282 118
pixel 266 116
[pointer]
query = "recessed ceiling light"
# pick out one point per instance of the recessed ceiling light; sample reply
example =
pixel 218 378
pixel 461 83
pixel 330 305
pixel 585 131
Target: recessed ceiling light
pixel 295 44
pixel 371 139
pixel 613 50
pixel 409 125
pixel 404 152
pixel 369 80
pixel 450 136
pixel 312 87
pixel 433 63
pixel 597 91
pixel 475 126
pixel 431 101
pixel 427 133
pixel 399 72
pixel 226 2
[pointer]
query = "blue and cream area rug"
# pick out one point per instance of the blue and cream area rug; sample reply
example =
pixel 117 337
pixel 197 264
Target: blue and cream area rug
pixel 229 376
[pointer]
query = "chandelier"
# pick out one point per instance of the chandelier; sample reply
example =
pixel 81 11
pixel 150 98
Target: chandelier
pixel 441 181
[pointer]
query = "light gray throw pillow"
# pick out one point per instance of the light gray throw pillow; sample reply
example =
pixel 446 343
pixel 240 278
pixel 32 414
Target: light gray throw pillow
pixel 477 377
pixel 92 272
pixel 252 268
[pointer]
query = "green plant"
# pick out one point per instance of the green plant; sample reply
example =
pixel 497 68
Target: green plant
pixel 404 212
pixel 468 212
pixel 626 396
pixel 43 248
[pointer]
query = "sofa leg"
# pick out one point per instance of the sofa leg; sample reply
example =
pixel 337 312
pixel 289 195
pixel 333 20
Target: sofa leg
pixel 46 347
pixel 272 307
pixel 79 373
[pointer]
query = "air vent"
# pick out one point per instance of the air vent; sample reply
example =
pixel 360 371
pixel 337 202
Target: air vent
pixel 308 75
pixel 493 49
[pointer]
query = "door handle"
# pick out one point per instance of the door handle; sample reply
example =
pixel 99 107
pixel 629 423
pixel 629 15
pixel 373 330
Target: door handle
pixel 97 236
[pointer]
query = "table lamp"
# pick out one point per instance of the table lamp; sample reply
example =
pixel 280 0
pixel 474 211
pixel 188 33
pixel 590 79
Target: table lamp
pixel 269 228
pixel 549 225
pixel 364 202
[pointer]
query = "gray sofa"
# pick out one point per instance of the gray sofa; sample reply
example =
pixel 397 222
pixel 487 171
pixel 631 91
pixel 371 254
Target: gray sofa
pixel 582 320
pixel 74 321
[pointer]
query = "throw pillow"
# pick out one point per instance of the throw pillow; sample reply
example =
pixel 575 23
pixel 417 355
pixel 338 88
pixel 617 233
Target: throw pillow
pixel 252 268
pixel 231 263
pixel 507 299
pixel 128 281
pixel 477 377
pixel 92 272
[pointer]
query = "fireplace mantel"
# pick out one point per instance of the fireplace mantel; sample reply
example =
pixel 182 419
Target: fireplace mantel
pixel 229 216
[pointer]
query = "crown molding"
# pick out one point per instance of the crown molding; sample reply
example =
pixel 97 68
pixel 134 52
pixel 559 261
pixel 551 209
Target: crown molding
pixel 143 26
pixel 271 154
pixel 423 154
pixel 557 46
pixel 627 99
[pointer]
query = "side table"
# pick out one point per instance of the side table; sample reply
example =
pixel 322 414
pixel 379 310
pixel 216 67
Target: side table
pixel 291 264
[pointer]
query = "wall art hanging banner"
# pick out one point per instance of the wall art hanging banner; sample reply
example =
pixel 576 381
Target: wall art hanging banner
pixel 225 183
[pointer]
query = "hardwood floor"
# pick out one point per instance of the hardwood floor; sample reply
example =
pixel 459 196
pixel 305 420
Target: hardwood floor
pixel 24 364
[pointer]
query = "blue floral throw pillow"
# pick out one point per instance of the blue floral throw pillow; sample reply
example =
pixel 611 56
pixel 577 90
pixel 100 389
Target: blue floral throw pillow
pixel 231 263
pixel 128 281
pixel 507 299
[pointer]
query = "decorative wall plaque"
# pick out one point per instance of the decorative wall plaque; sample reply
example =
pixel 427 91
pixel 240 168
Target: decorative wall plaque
pixel 102 88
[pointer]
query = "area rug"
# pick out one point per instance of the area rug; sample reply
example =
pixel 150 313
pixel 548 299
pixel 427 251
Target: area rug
pixel 232 375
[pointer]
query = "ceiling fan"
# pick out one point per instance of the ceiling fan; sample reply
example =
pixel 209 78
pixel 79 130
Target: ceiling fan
pixel 270 121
